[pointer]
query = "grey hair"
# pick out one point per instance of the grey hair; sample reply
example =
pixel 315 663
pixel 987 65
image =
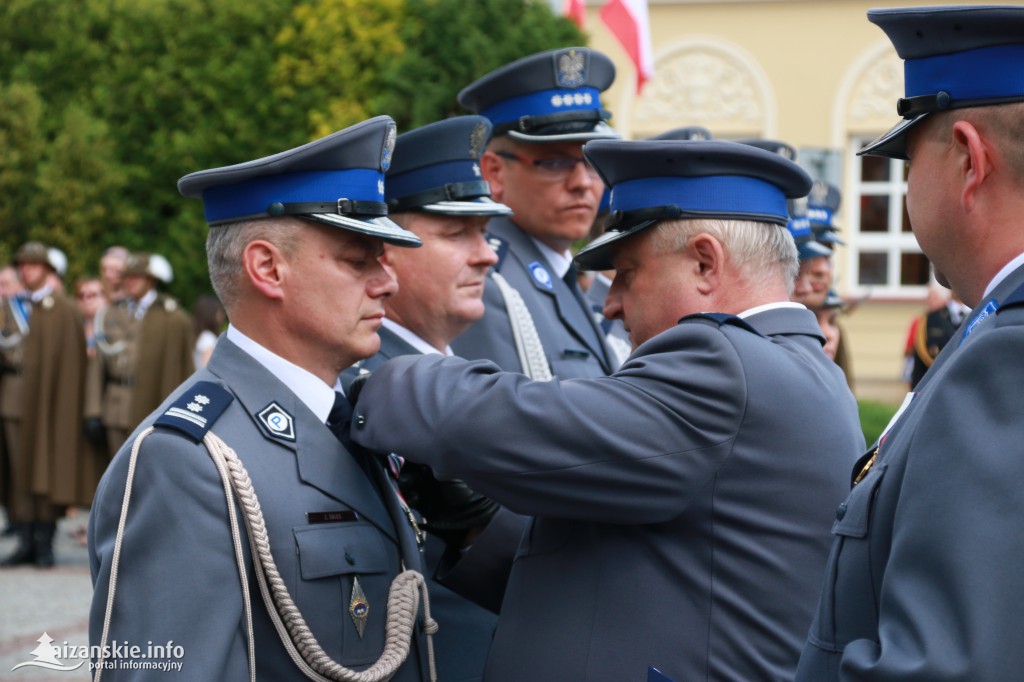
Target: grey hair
pixel 226 243
pixel 763 251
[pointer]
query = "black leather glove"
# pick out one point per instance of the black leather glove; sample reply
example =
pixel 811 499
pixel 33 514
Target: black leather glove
pixel 353 390
pixel 450 509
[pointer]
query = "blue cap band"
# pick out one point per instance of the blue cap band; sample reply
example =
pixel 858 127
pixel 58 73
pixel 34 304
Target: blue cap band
pixel 254 196
pixel 982 73
pixel 800 228
pixel 543 103
pixel 726 194
pixel 819 215
pixel 431 177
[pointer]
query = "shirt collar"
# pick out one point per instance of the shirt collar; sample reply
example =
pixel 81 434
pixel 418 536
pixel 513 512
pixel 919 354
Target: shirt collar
pixel 41 293
pixel 770 306
pixel 1003 274
pixel 413 339
pixel 314 393
pixel 144 303
pixel 559 262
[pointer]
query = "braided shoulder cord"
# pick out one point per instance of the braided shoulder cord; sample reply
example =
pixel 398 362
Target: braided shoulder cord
pixel 528 344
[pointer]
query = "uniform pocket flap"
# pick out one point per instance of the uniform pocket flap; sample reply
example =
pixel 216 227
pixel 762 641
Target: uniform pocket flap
pixel 853 515
pixel 340 549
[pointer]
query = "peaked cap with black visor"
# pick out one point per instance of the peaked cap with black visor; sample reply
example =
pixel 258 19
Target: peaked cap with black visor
pixel 437 170
pixel 954 57
pixel 552 96
pixel 652 181
pixel 337 181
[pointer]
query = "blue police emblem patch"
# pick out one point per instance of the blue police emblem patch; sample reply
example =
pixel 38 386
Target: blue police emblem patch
pixel 540 275
pixel 278 422
pixel 196 409
pixel 571 68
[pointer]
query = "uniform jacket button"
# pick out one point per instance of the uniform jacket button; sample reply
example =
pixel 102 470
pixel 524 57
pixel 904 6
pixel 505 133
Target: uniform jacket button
pixel 840 511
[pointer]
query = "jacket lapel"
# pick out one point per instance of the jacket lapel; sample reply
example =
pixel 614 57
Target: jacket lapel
pixel 322 460
pixel 572 310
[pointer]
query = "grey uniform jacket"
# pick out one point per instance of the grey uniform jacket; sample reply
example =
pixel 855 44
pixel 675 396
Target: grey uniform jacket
pixel 573 341
pixel 925 579
pixel 681 506
pixel 178 577
pixel 465 629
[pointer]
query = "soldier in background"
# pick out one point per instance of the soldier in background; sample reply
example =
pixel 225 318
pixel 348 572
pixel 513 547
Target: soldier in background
pixel 43 361
pixel 932 331
pixel 145 344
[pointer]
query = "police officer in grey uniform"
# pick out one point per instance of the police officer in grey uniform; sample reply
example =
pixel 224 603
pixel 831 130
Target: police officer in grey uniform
pixel 435 191
pixel 293 255
pixel 924 581
pixel 543 107
pixel 680 505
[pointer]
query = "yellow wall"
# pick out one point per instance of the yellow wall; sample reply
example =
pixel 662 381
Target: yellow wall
pixel 809 72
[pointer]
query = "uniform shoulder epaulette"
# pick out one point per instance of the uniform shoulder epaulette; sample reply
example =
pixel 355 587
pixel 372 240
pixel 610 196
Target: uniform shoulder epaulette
pixel 196 409
pixel 719 319
pixel 500 247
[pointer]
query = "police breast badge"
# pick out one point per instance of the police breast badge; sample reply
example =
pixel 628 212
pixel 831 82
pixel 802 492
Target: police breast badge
pixel 359 607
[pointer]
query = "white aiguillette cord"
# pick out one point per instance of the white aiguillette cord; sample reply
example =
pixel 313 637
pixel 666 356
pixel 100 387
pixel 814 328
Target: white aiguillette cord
pixel 298 640
pixel 524 332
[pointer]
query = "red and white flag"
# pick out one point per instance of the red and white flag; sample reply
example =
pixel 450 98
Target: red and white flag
pixel 574 10
pixel 627 20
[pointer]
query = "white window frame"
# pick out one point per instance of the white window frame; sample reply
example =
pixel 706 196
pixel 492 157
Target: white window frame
pixel 894 242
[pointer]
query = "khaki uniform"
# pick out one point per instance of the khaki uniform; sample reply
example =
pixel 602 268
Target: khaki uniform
pixel 141 362
pixel 41 394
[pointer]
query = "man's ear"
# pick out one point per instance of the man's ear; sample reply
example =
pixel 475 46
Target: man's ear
pixel 493 170
pixel 265 267
pixel 709 260
pixel 974 161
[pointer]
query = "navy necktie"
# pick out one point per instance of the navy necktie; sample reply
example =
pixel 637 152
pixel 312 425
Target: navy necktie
pixel 338 421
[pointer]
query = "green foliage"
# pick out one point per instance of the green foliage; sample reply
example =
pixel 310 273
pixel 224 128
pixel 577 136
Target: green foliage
pixel 874 416
pixel 21 145
pixel 331 55
pixel 104 104
pixel 451 43
pixel 78 189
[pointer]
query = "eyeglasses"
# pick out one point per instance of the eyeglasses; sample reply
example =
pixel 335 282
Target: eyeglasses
pixel 552 167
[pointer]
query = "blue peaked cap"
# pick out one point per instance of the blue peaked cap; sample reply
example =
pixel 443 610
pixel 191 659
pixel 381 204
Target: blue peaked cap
pixel 437 170
pixel 656 180
pixel 551 96
pixel 954 57
pixel 337 180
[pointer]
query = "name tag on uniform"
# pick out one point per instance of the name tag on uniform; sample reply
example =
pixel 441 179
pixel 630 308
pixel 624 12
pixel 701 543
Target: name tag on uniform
pixel 332 516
